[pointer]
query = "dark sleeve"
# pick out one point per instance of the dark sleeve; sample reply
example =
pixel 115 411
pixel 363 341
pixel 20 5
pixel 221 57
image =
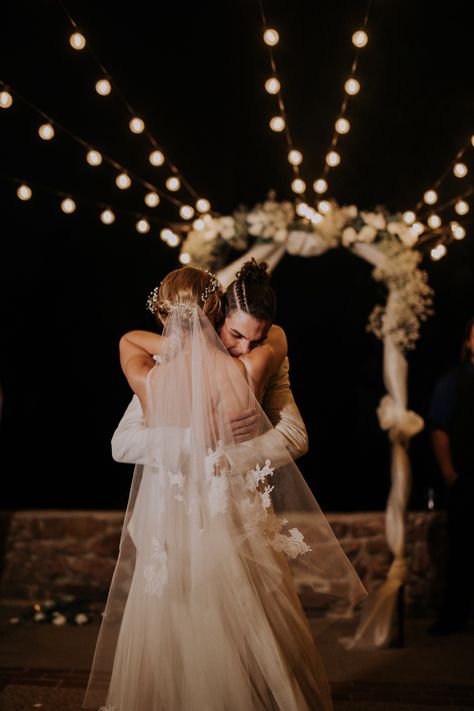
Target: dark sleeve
pixel 442 403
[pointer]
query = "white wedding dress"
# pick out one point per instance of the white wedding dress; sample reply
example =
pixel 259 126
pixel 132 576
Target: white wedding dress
pixel 202 613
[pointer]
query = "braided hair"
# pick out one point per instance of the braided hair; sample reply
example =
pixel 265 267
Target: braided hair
pixel 251 292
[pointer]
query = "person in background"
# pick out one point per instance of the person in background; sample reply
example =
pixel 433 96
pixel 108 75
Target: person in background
pixel 451 423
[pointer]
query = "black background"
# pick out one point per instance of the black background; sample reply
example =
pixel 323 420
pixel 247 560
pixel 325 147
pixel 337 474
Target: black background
pixel 195 71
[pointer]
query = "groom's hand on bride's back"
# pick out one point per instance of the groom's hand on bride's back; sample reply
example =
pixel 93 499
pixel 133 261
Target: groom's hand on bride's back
pixel 245 424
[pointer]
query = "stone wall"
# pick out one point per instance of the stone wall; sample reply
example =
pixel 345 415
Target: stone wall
pixel 43 553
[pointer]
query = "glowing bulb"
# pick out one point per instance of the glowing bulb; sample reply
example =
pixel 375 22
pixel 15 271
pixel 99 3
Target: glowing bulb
pixel 123 181
pixel 107 217
pixel 156 158
pixel 460 170
pixel 461 207
pixel 333 158
pixel 298 186
pixel 434 221
pixel 320 186
pixel 6 99
pixel 46 131
pixel 458 231
pixel 184 258
pixel 316 218
pixel 352 87
pixel 152 199
pixel 173 184
pixel 68 205
pixel 142 226
pixel 430 197
pixel 199 224
pixel 418 228
pixel 359 38
pixel 77 41
pixel 165 234
pixel 409 217
pixel 271 37
pixel 342 126
pixel 173 240
pixel 438 252
pixel 324 207
pixel 277 123
pixel 103 87
pixel 186 212
pixel 272 85
pixel 94 158
pixel 24 192
pixel 302 209
pixel 136 125
pixel 203 205
pixel 295 157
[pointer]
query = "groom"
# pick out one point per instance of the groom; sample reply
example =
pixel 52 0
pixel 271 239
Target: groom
pixel 240 333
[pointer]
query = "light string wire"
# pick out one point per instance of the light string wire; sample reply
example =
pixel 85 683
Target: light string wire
pixel 281 104
pixel 107 75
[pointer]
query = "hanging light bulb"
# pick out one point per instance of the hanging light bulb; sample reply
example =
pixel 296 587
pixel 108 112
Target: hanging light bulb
pixel 6 99
pixel 277 123
pixel 434 221
pixel 458 231
pixel 460 170
pixel 342 125
pixel 438 252
pixel 165 234
pixel 156 158
pixel 409 217
pixel 199 224
pixel 271 37
pixel 320 186
pixel 136 125
pixel 316 218
pixel 46 131
pixel 77 41
pixel 152 199
pixel 203 205
pixel 352 86
pixel 333 158
pixel 107 216
pixel 184 258
pixel 173 184
pixel 123 181
pixel 430 197
pixel 186 212
pixel 295 157
pixel 302 209
pixel 418 228
pixel 324 206
pixel 272 85
pixel 360 38
pixel 24 192
pixel 68 205
pixel 298 186
pixel 173 240
pixel 103 87
pixel 461 207
pixel 142 226
pixel 94 157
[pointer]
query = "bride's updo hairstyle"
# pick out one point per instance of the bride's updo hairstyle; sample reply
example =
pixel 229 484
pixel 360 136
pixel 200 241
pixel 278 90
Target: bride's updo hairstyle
pixel 187 286
pixel 251 292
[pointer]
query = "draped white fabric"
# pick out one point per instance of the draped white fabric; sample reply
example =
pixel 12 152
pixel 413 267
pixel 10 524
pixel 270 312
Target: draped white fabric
pixel 378 610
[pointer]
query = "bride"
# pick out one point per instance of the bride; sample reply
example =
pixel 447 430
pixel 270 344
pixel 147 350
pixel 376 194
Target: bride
pixel 202 612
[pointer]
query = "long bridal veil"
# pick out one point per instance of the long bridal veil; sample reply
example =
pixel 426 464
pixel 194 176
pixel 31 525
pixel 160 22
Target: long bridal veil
pixel 202 611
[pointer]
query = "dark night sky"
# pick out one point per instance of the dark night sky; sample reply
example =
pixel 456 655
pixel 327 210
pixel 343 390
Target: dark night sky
pixel 195 71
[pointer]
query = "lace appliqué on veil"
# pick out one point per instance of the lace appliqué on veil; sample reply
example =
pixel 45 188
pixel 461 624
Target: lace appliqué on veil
pixel 156 575
pixel 262 520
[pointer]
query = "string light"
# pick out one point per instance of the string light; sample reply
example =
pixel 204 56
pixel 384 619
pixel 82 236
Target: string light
pixel 333 159
pixel 457 230
pixel 430 197
pixel 24 192
pixel 295 157
pixel 271 37
pixel 199 224
pixel 107 216
pixel 320 186
pixel 184 258
pixel 203 205
pixel 94 158
pixel 173 184
pixel 277 124
pixel 77 41
pixel 298 186
pixel 461 207
pixel 156 158
pixel 123 181
pixel 272 85
pixel 409 217
pixel 186 212
pixel 103 87
pixel 136 125
pixel 438 251
pixel 324 206
pixel 418 228
pixel 152 199
pixel 460 170
pixel 342 126
pixel 46 131
pixel 173 240
pixel 6 99
pixel 143 226
pixel 434 221
pixel 360 39
pixel 352 86
pixel 68 206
